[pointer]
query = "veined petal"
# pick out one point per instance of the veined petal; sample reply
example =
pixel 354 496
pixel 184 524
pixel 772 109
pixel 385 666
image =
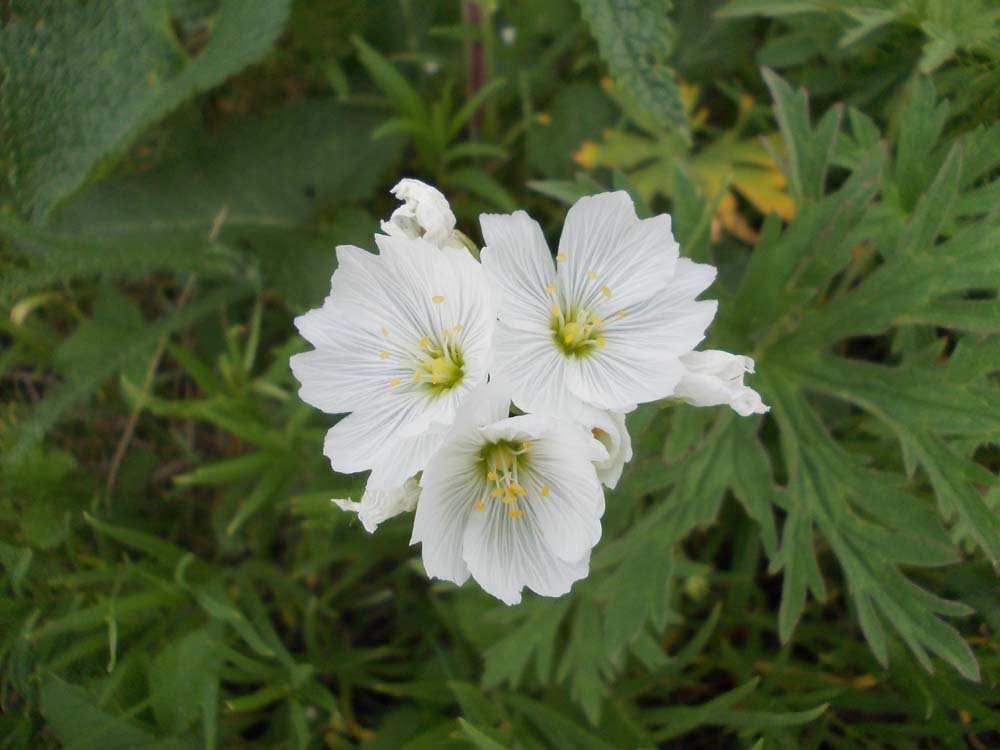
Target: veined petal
pixel 713 377
pixel 535 371
pixel 608 257
pixel 518 263
pixel 370 440
pixel 623 374
pixel 450 488
pixel 504 555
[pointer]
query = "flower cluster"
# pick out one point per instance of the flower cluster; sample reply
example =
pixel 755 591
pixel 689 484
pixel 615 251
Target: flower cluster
pixel 491 396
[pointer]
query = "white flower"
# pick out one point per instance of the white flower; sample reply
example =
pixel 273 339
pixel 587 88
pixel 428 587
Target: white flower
pixel 402 340
pixel 609 326
pixel 609 428
pixel 377 506
pixel 425 213
pixel 511 501
pixel 714 377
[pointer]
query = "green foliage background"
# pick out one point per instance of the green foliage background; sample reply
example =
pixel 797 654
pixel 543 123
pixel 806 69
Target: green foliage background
pixel 177 173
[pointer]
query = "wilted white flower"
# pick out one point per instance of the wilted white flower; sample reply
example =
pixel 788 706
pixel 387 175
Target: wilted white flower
pixel 377 506
pixel 714 377
pixel 607 326
pixel 425 213
pixel 511 501
pixel 609 428
pixel 508 34
pixel 401 341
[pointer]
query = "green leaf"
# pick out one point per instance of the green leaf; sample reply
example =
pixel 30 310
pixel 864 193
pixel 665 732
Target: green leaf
pixel 81 81
pixel 111 356
pixel 79 722
pixel 583 658
pixel 635 38
pixel 808 150
pixel 277 187
pixel 182 674
pixel 478 737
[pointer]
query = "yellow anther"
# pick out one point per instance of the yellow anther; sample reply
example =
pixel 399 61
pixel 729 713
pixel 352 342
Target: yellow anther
pixel 383 355
pixel 561 257
pixel 525 445
pixel 568 338
pixel 385 331
pixel 596 321
pixel 497 492
pixel 434 378
pixel 556 312
pixel 458 328
pixel 437 299
pixel 516 489
pixel 621 314
pixel 416 376
pixel 515 513
pixel 545 490
pixel 591 275
pixel 394 382
pixel 480 507
pixel 424 342
pixel 509 499
pixel 600 342
pixel 492 476
pixel 606 291
pixel 550 289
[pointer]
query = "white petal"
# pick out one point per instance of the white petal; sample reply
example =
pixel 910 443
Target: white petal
pixel 377 506
pixel 517 260
pixel 610 256
pixel 506 554
pixel 450 487
pixel 713 377
pixel 622 374
pixel 424 213
pixel 610 429
pixel 371 440
pixel 535 370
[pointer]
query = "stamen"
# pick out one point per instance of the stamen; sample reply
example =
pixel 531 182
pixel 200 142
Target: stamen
pixel 385 331
pixel 458 328
pixel 497 492
pixel 595 321
pixel 600 342
pixel 606 291
pixel 515 513
pixel 561 257
pixel 545 490
pixel 480 507
pixel 509 499
pixel 525 445
pixel 416 376
pixel 394 382
pixel 516 489
pixel 621 314
pixel 556 312
pixel 492 476
pixel 383 355
pixel 424 341
pixel 550 289
pixel 591 275
pixel 437 299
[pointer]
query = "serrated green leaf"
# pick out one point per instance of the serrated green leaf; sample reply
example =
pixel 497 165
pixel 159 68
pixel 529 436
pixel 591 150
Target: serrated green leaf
pixel 808 150
pixel 81 81
pixel 635 37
